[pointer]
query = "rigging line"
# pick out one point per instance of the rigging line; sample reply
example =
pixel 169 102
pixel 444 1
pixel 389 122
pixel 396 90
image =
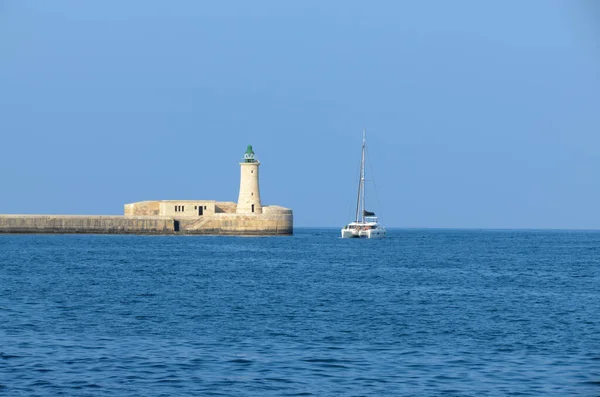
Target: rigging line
pixel 350 203
pixel 374 184
pixel 361 186
pixel 358 197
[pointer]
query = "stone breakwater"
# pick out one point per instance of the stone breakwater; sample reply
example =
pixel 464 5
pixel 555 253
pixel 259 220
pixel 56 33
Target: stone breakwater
pixel 247 217
pixel 280 223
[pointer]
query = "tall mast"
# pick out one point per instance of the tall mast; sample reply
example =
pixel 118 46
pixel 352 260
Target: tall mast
pixel 362 175
pixel 360 200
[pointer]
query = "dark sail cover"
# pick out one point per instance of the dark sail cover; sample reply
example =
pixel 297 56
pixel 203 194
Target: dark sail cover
pixel 368 213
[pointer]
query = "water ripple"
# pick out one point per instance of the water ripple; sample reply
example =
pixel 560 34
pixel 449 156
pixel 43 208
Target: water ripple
pixel 432 313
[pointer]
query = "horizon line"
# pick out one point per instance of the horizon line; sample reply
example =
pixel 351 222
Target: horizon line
pixel 467 228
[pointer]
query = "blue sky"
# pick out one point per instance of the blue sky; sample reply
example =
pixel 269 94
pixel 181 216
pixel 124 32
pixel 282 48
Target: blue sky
pixel 478 114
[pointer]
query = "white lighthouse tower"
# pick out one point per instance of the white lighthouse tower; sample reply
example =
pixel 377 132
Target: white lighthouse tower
pixel 249 198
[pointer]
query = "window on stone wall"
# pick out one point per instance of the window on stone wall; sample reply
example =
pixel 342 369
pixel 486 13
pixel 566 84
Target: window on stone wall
pixel 175 208
pixel 182 208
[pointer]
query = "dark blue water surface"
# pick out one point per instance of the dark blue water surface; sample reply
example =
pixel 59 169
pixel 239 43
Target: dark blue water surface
pixel 422 312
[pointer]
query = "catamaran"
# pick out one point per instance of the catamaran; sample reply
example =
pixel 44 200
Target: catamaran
pixel 366 223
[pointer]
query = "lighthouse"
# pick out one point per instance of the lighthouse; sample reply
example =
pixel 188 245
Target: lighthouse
pixel 249 198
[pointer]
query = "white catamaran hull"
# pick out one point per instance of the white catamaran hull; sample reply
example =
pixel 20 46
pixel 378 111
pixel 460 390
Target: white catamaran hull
pixel 347 233
pixel 372 233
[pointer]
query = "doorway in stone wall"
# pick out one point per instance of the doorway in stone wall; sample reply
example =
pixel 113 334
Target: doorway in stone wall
pixel 200 210
pixel 176 226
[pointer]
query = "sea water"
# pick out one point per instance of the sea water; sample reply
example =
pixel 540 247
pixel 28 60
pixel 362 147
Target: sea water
pixel 420 313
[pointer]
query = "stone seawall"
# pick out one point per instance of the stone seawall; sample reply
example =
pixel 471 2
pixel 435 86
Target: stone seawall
pixel 218 224
pixel 92 224
pixel 240 224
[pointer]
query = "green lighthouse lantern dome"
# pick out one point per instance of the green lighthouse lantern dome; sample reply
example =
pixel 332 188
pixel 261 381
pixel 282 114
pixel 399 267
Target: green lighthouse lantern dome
pixel 249 155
